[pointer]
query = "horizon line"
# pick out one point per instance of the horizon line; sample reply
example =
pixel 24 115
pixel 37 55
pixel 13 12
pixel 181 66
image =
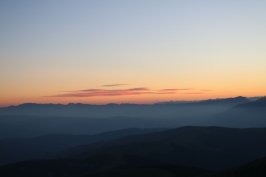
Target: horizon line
pixel 123 103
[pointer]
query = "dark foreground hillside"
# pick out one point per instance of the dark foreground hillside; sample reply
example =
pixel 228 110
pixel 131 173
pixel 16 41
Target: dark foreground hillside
pixel 256 168
pixel 120 166
pixel 213 148
pixel 42 147
pixel 96 166
pixel 184 152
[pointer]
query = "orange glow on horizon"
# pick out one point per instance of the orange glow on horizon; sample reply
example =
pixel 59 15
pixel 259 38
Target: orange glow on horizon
pixel 134 99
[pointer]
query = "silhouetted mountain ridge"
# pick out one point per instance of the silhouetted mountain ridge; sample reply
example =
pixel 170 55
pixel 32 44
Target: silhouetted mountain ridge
pixel 132 110
pixel 230 112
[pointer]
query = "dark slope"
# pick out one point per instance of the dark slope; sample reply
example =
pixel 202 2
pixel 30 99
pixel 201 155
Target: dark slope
pixel 204 147
pixel 19 149
pixel 96 166
pixel 106 165
pixel 154 171
pixel 256 168
pixel 138 155
pixel 251 114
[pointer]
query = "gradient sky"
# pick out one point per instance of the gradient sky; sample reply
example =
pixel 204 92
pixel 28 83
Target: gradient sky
pixel 133 51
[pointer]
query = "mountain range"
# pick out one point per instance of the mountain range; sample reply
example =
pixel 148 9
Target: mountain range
pixel 41 120
pixel 123 110
pixel 166 139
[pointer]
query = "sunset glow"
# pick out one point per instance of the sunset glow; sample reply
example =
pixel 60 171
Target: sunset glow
pixel 101 52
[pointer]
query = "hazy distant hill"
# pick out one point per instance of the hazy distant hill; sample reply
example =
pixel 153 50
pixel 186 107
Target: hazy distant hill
pixel 231 112
pixel 260 103
pixel 226 101
pixel 251 114
pixel 32 126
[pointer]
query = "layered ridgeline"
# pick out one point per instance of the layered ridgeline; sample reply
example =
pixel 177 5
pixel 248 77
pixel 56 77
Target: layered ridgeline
pixel 167 109
pixel 31 120
pixel 183 151
pixel 251 114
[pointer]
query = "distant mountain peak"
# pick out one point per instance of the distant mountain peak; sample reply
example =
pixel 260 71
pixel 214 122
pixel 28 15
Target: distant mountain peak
pixel 238 100
pixel 240 97
pixel 260 103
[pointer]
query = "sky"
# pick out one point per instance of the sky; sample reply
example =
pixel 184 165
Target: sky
pixel 134 51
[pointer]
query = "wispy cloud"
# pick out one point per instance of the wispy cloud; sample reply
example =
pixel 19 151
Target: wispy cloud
pixel 114 85
pixel 104 92
pixel 124 92
pixel 167 90
pixel 171 89
pixel 205 90
pixel 164 92
pixel 113 92
pixel 139 89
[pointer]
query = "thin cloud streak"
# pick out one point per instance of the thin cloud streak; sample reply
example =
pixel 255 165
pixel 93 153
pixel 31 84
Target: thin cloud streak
pixel 109 92
pixel 114 85
pixel 139 89
pixel 194 93
pixel 105 92
pixel 165 93
pixel 167 90
pixel 90 90
pixel 123 92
